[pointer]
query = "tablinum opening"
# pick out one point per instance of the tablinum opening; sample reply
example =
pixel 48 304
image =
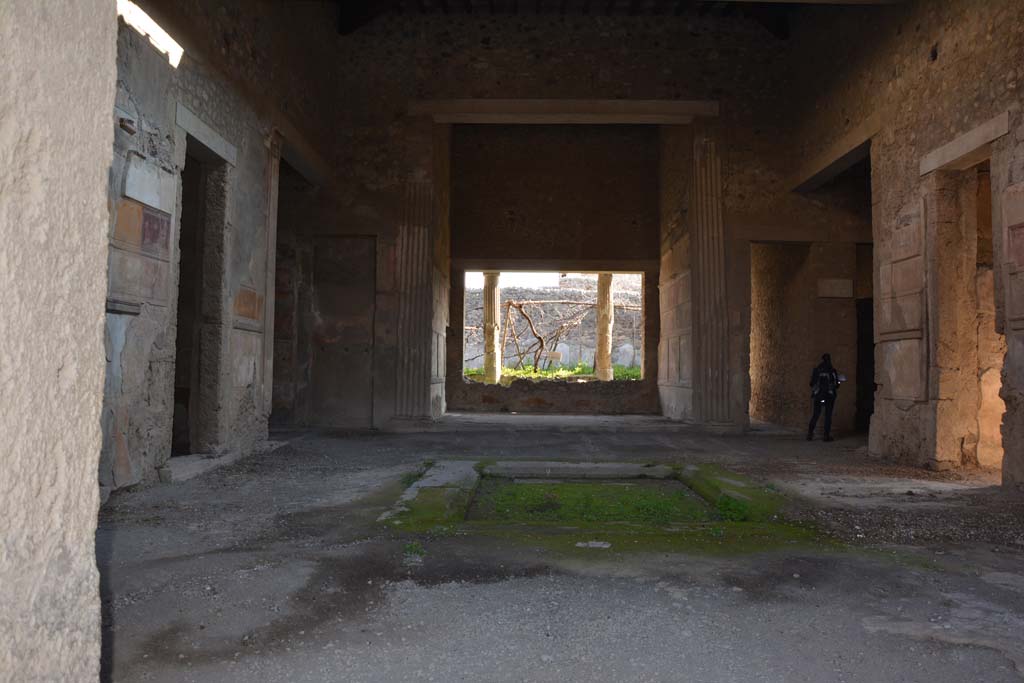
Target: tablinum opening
pixel 554 326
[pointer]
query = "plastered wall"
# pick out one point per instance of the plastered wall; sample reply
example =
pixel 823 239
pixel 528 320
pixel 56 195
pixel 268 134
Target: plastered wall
pixel 172 112
pixel 53 217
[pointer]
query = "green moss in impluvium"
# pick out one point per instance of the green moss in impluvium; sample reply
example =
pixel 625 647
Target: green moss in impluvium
pixel 732 515
pixel 735 497
pixel 433 509
pixel 502 500
pixel 711 538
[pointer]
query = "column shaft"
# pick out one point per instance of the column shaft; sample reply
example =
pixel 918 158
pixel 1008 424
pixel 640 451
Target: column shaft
pixel 605 321
pixel 492 328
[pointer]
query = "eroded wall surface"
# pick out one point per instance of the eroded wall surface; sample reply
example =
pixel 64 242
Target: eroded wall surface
pixel 921 75
pixel 53 217
pixel 173 112
pixel 675 345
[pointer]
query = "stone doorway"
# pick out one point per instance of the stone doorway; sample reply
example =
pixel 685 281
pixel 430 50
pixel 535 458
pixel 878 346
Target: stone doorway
pixel 968 349
pixel 990 343
pixel 200 330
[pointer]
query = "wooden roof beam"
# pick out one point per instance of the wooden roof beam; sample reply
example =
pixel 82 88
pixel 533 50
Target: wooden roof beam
pixel 539 111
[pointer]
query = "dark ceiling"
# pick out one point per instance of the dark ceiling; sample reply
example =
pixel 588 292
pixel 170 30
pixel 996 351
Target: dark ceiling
pixel 774 16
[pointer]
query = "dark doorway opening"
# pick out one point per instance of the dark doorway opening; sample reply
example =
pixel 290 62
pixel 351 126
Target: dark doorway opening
pixel 186 356
pixel 200 340
pixel 293 266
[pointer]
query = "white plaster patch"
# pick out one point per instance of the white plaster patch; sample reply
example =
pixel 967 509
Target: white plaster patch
pixel 153 186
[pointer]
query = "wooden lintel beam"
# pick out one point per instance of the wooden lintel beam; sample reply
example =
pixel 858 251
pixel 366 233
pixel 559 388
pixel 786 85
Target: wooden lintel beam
pixel 566 119
pixel 538 111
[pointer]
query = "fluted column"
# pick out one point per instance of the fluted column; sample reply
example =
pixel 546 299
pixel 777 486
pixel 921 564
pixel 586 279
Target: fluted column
pixel 711 326
pixel 416 304
pixel 492 328
pixel 605 321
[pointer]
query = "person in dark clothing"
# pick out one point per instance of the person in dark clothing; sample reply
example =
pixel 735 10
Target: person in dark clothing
pixel 824 387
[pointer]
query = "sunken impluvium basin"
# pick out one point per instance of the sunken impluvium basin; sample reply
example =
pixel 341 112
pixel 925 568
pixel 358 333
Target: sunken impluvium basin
pixel 579 507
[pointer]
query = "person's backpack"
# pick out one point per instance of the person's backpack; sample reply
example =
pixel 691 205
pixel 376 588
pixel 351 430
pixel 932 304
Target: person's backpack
pixel 825 384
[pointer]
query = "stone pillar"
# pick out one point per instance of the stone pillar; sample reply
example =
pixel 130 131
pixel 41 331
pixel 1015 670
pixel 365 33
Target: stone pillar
pixel 710 298
pixel 492 328
pixel 416 301
pixel 605 320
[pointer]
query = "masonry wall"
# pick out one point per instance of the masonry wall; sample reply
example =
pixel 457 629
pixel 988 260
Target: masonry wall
pixel 675 346
pixel 193 110
pixel 53 216
pixel 385 164
pixel 796 316
pixel 780 348
pixel 735 62
pixel 572 193
pixel 921 74
pixel 574 197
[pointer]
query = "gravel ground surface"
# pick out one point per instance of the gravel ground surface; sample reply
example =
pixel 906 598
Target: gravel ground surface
pixel 275 569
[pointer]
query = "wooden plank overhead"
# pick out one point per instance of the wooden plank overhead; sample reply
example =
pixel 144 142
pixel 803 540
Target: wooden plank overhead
pixel 540 111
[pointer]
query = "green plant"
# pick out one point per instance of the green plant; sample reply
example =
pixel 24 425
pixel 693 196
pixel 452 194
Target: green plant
pixel 414 548
pixel 482 465
pixel 580 370
pixel 587 502
pixel 733 509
